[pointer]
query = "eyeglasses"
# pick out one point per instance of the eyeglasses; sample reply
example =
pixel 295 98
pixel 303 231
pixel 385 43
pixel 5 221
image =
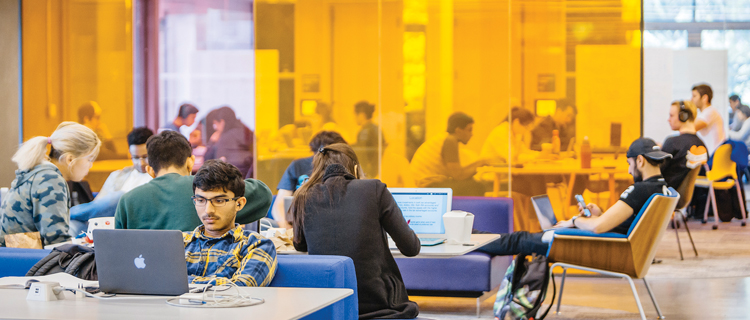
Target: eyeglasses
pixel 136 158
pixel 216 202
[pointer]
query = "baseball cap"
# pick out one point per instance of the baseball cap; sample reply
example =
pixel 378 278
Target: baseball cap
pixel 648 148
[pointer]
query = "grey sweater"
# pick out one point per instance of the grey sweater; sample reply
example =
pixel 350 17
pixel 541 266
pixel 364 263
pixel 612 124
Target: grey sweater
pixel 350 217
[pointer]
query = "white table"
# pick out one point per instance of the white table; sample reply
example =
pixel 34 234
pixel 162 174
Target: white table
pixel 280 303
pixel 446 250
pixel 440 251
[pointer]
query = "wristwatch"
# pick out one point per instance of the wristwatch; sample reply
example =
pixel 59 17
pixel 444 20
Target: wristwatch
pixel 573 220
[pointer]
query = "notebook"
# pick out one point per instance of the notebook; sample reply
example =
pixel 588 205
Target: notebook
pixel 544 211
pixel 141 262
pixel 423 210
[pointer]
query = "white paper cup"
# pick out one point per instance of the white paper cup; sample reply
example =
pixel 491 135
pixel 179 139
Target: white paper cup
pixel 458 226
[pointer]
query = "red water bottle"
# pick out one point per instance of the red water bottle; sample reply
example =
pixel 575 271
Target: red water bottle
pixel 585 154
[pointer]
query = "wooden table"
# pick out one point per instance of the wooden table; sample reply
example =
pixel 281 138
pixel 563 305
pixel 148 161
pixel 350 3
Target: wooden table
pixel 570 167
pixel 440 251
pixel 280 303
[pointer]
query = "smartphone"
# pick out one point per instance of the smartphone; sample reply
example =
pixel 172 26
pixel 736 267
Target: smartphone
pixel 586 212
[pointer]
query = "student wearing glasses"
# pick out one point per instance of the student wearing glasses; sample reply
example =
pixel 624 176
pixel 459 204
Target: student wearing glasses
pixel 220 251
pixel 117 184
pixel 164 203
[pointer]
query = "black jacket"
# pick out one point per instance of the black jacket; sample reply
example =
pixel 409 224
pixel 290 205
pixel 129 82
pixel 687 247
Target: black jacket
pixel 350 217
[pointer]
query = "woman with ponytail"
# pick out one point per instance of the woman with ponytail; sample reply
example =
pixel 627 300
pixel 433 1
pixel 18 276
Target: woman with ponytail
pixel 38 199
pixel 337 213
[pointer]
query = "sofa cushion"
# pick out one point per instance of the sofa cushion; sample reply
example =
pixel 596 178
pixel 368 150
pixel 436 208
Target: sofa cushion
pixel 15 262
pixel 473 272
pixel 319 271
pixel 490 214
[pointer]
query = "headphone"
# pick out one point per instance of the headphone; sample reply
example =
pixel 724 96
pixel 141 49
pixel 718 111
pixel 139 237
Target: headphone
pixel 685 114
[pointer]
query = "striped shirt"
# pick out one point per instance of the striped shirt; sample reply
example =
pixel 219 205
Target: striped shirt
pixel 239 256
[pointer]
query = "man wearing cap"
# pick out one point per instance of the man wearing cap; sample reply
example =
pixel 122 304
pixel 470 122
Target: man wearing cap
pixel 644 160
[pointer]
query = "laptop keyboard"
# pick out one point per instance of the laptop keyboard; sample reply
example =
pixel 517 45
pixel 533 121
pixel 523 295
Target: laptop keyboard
pixel 422 241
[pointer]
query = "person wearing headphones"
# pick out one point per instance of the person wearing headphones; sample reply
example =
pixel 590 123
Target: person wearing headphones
pixel 685 148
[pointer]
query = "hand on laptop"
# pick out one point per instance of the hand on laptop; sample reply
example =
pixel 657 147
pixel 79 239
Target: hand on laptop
pixel 563 224
pixel 595 210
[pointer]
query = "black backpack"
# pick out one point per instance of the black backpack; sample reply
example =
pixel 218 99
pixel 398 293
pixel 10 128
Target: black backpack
pixel 524 289
pixel 72 259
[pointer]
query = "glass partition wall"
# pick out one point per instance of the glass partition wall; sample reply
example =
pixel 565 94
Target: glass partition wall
pixel 539 78
pixel 77 65
pixel 553 86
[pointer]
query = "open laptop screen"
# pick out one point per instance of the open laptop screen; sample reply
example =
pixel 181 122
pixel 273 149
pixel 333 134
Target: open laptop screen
pixel 423 208
pixel 544 211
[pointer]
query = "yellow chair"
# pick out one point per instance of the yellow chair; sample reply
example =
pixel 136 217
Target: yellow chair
pixel 685 190
pixel 723 167
pixel 613 254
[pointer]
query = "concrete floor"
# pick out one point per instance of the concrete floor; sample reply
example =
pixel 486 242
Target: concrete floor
pixel 603 298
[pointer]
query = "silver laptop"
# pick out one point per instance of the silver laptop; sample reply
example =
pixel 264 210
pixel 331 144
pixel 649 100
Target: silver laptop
pixel 288 203
pixel 423 209
pixel 141 262
pixel 544 211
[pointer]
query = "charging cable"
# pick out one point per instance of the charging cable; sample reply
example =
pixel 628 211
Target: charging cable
pixel 211 300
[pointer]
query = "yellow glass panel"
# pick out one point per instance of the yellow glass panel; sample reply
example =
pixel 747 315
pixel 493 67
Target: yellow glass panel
pixel 519 68
pixel 75 52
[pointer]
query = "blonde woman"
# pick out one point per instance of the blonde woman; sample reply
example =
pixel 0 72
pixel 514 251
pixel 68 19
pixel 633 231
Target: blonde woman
pixel 38 199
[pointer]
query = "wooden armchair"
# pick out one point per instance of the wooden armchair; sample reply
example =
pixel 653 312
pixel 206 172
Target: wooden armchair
pixel 624 256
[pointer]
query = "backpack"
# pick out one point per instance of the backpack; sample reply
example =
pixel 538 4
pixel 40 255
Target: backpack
pixel 72 259
pixel 523 289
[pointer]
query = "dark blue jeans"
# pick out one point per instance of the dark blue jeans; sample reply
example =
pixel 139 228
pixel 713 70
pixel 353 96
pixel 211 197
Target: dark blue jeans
pixel 520 242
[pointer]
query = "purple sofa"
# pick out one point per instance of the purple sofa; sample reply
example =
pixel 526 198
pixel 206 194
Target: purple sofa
pixel 474 275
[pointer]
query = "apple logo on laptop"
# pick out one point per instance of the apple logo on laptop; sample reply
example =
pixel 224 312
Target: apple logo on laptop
pixel 140 262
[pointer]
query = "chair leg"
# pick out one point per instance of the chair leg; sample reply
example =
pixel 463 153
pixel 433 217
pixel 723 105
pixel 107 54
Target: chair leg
pixel 635 295
pixel 713 205
pixel 708 203
pixel 479 302
pixel 677 235
pixel 653 299
pixel 684 222
pixel 562 285
pixel 742 201
pixel 565 266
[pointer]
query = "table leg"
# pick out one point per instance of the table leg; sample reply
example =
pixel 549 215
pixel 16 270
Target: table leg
pixel 566 204
pixel 496 186
pixel 612 195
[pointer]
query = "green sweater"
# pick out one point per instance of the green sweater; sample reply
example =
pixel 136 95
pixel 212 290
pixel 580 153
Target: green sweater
pixel 164 203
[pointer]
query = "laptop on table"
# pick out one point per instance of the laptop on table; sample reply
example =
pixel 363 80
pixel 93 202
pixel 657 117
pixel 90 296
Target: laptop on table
pixel 141 262
pixel 423 210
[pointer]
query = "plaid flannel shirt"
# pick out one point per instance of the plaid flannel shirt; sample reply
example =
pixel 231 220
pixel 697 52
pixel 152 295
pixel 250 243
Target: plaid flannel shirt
pixel 239 256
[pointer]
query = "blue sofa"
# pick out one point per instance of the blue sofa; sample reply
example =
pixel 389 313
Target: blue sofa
pixel 293 271
pixel 473 275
